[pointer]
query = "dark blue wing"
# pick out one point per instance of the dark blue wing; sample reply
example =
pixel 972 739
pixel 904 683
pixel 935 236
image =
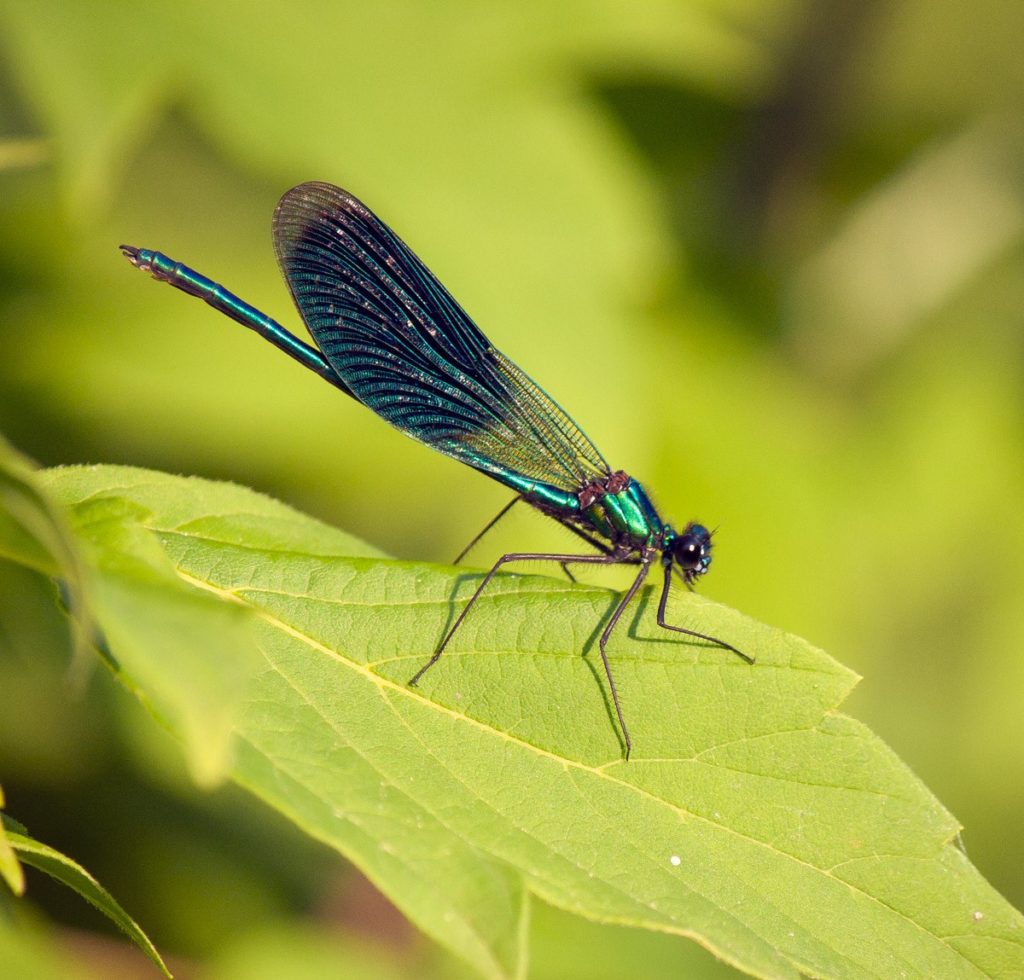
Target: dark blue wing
pixel 408 351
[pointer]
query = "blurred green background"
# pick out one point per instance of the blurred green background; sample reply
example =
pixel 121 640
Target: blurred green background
pixel 769 253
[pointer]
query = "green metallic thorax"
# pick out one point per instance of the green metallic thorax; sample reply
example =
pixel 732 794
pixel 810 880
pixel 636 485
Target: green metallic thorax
pixel 626 514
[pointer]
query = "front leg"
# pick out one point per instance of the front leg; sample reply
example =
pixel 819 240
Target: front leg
pixel 682 629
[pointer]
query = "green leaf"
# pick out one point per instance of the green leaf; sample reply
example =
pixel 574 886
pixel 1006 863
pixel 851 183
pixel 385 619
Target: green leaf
pixel 161 630
pixel 34 533
pixel 10 869
pixel 753 817
pixel 73 875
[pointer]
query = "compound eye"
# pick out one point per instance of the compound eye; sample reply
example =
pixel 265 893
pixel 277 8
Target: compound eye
pixel 689 552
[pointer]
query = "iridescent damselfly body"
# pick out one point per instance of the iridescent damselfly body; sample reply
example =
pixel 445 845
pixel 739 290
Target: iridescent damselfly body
pixel 391 336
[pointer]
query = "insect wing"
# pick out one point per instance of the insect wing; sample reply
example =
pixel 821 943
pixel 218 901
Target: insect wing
pixel 409 352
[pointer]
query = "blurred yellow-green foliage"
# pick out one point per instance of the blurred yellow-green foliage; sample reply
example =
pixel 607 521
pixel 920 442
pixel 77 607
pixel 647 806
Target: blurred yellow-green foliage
pixel 769 253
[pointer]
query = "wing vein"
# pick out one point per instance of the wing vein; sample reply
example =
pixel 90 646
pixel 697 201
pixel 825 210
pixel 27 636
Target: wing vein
pixel 409 352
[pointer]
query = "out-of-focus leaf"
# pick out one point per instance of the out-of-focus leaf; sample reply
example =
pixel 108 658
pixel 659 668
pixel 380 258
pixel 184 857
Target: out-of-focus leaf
pixel 35 534
pixel 915 242
pixel 21 153
pixel 754 818
pixel 10 869
pixel 29 529
pixel 72 874
pixel 300 953
pixel 30 953
pixel 95 74
pixel 188 657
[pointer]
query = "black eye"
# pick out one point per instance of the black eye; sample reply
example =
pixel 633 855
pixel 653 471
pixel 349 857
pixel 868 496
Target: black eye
pixel 692 550
pixel 688 551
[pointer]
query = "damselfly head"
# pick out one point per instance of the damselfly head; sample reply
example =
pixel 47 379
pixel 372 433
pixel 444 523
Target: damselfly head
pixel 692 551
